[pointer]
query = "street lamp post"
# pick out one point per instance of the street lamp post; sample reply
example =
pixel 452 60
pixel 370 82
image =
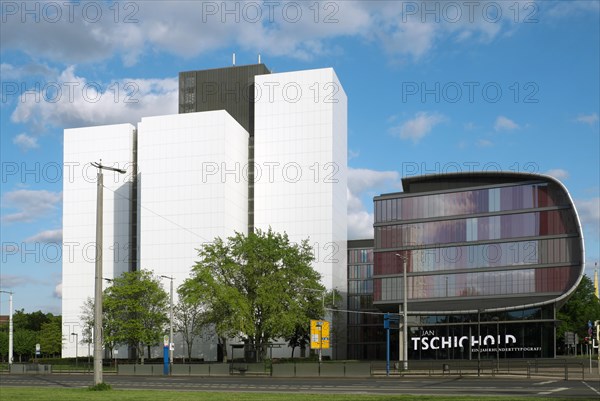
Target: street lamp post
pixel 404 314
pixel 98 270
pixel 497 320
pixel 76 347
pixel 320 327
pixel 10 326
pixel 479 342
pixel 170 325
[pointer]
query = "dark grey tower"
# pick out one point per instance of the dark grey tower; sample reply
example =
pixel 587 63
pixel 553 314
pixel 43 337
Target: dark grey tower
pixel 229 88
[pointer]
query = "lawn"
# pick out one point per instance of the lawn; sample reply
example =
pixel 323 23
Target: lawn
pixel 52 394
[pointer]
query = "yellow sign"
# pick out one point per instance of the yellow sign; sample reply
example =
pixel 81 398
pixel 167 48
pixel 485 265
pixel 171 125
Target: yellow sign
pixel 319 334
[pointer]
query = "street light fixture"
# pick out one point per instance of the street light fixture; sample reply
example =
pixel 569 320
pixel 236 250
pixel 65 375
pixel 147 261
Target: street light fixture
pixel 76 347
pixel 170 325
pixel 10 326
pixel 98 280
pixel 404 313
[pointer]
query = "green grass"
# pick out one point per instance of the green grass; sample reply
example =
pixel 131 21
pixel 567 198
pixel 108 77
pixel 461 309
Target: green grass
pixel 52 394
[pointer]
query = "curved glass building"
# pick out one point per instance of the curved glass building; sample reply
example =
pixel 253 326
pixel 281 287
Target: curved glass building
pixel 490 257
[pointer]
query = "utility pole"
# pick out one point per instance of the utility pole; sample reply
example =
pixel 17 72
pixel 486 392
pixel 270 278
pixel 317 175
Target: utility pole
pixel 404 314
pixel 98 280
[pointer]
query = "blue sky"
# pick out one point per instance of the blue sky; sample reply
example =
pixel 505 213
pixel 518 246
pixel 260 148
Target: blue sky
pixel 432 87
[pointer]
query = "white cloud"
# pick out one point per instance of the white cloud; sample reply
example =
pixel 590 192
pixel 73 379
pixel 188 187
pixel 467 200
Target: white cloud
pixel 470 126
pixel 25 142
pixel 189 28
pixel 82 102
pixel 10 72
pixel 485 143
pixel 362 183
pixel 30 204
pixel 589 214
pixel 10 281
pixel 58 291
pixel 565 9
pixel 360 179
pixel 412 38
pixel 184 28
pixel 360 222
pixel 417 127
pixel 505 124
pixel 47 236
pixel 558 173
pixel 589 119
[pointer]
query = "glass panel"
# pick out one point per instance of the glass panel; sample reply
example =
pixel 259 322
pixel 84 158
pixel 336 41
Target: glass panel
pixel 478 201
pixel 534 224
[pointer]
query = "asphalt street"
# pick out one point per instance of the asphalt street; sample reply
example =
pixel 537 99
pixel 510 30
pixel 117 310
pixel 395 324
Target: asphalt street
pixel 499 386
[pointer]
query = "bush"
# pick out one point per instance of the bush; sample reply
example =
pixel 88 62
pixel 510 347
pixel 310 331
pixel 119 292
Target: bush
pixel 100 387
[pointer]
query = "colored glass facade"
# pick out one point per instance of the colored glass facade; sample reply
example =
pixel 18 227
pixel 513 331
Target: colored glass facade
pixel 490 254
pixel 366 336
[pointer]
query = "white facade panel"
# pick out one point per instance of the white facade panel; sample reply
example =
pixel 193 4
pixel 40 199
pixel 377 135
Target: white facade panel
pixel 113 144
pixel 301 162
pixel 301 154
pixel 191 189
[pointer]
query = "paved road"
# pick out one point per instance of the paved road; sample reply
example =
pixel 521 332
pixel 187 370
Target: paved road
pixel 508 387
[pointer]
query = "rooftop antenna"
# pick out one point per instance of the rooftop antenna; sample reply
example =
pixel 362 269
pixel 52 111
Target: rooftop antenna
pixel 259 59
pixel 233 58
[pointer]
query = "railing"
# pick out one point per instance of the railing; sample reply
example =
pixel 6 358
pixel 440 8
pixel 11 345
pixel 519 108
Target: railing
pixel 552 368
pixel 557 368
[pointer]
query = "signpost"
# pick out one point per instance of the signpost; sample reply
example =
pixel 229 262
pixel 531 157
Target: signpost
pixel 166 355
pixel 597 330
pixel 319 335
pixel 570 340
pixel 387 319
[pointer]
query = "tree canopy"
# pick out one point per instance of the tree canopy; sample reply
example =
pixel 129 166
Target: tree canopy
pixel 50 337
pixel 30 329
pixel 189 320
pixel 581 307
pixel 136 306
pixel 259 286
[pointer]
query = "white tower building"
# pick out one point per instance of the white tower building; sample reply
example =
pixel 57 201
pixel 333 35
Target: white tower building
pixel 114 144
pixel 250 149
pixel 300 184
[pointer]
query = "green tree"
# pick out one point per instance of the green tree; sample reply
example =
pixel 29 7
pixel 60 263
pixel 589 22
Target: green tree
pixel 87 318
pixel 189 320
pixel 30 321
pixel 299 338
pixel 109 336
pixel 136 308
pixel 259 285
pixel 50 337
pixel 581 307
pixel 4 345
pixel 24 342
